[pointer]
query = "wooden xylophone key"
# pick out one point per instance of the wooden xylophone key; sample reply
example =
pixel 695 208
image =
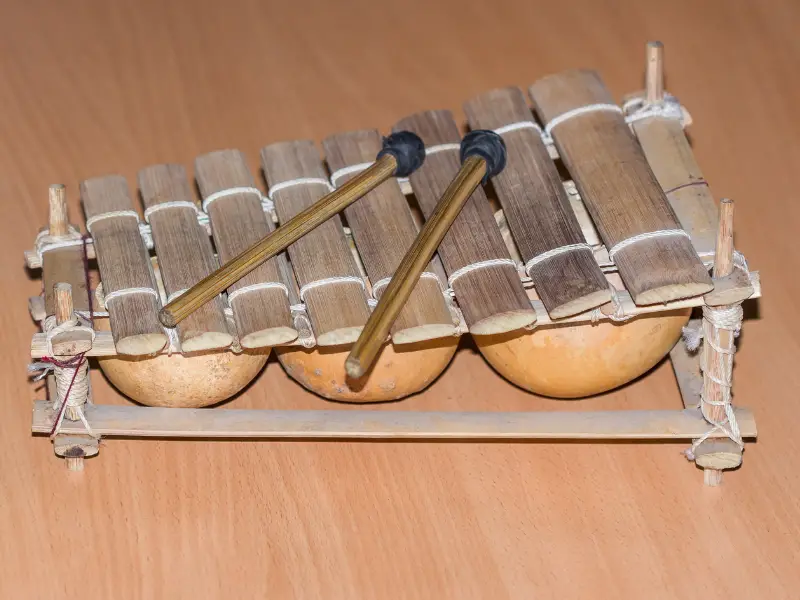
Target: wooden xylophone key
pixel 481 273
pixel 653 254
pixel 129 287
pixel 544 227
pixel 184 252
pixel 383 230
pixel 330 283
pixel 259 300
pixel 657 119
pixel 671 157
pixel 401 153
pixel 483 155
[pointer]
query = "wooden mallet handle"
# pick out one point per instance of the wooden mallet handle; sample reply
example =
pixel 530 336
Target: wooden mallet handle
pixel 402 153
pixel 483 155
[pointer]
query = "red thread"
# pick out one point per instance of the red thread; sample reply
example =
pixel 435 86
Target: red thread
pixel 685 185
pixel 85 249
pixel 65 364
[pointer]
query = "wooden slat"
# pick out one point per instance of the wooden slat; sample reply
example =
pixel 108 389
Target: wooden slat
pixel 64 265
pixel 338 310
pixel 371 424
pixel 537 208
pixel 104 346
pixel 185 254
pixel 124 264
pixel 619 189
pixel 238 221
pixel 492 299
pixel 383 229
pixel 671 157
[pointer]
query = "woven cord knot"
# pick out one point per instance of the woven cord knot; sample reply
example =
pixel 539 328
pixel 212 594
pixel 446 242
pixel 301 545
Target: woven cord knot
pixel 618 315
pixel 715 320
pixel 638 109
pixel 71 375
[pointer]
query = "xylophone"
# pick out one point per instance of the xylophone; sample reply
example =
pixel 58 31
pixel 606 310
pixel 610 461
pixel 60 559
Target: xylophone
pixel 575 269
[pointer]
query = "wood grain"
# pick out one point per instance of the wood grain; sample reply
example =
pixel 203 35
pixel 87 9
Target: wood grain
pixel 366 349
pixel 619 189
pixel 338 311
pixel 124 264
pixel 184 253
pixel 63 266
pixel 365 424
pixel 383 231
pixel 491 298
pixel 94 87
pixel 670 155
pixel 237 222
pixel 537 209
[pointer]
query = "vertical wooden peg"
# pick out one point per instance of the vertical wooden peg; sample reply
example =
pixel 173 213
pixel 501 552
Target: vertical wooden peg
pixel 716 455
pixel 64 309
pixel 654 78
pixel 74 458
pixel 64 312
pixel 72 341
pixel 59 219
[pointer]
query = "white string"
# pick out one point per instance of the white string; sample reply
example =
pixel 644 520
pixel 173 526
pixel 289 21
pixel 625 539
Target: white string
pixel 645 236
pixel 442 148
pixel 52 330
pixel 637 109
pixel 257 286
pixel 492 262
pixel 172 204
pixel 329 281
pixel 75 376
pixel 381 283
pixel 237 190
pixel 576 112
pixel 518 125
pixel 740 262
pixel 77 396
pixel 147 234
pixel 299 181
pixel 110 215
pixel 619 311
pixel 722 318
pixel 716 319
pixel 174 341
pixel 339 173
pixel 302 324
pixel 174 295
pixel 127 291
pixel 45 243
pixel 539 258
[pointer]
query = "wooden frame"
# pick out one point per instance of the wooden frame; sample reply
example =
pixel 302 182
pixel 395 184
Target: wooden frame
pixel 685 423
pixel 65 249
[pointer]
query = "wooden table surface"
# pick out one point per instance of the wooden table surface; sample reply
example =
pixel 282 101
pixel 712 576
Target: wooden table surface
pixel 92 87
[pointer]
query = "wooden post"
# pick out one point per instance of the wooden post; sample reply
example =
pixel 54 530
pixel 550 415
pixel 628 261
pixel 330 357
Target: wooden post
pixel 654 78
pixel 59 222
pixel 716 455
pixel 75 450
pixel 64 313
